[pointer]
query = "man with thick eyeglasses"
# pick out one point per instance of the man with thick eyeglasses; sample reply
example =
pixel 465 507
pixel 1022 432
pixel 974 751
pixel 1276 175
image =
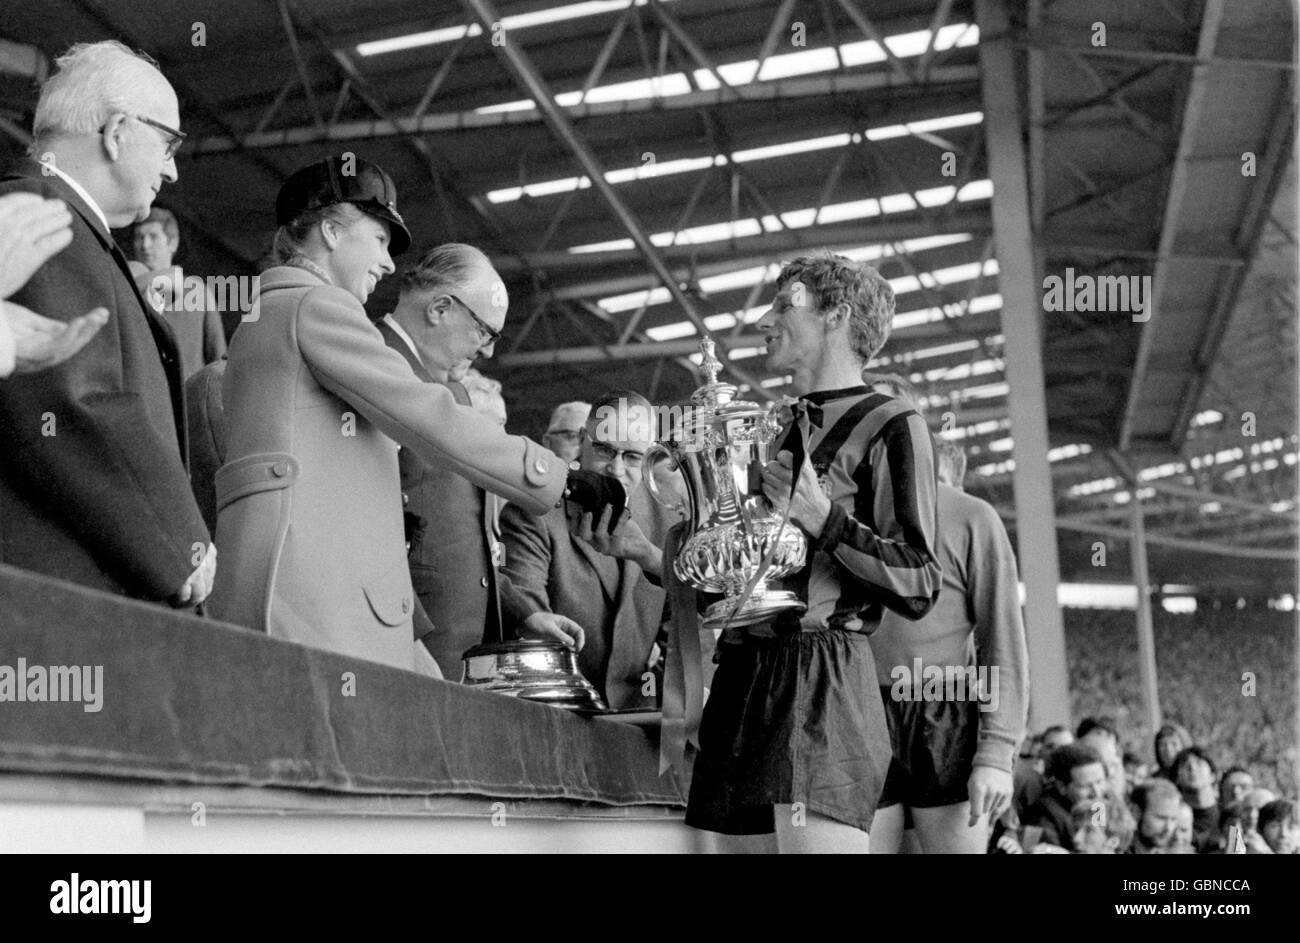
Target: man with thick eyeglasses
pixel 606 454
pixel 173 138
pixel 568 571
pixel 94 488
pixel 563 434
pixel 489 335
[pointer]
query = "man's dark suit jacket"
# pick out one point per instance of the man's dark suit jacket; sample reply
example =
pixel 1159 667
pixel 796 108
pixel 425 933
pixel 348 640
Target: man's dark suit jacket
pixel 548 569
pixel 93 486
pixel 451 558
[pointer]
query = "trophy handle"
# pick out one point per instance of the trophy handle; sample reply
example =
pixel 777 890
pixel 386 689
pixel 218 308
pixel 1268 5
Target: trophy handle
pixel 652 456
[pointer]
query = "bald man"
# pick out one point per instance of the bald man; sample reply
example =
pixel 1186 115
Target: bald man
pixel 449 314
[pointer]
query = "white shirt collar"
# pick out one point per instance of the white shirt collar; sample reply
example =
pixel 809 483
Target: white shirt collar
pixel 406 338
pixel 81 192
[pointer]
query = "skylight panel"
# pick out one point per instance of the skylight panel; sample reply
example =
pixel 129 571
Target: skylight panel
pixel 558 13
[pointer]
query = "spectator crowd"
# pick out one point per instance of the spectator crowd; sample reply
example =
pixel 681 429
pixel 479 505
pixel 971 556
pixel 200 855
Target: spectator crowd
pixel 1082 792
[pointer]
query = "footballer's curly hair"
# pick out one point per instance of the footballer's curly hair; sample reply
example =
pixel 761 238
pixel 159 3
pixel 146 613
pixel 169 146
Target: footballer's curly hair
pixel 833 280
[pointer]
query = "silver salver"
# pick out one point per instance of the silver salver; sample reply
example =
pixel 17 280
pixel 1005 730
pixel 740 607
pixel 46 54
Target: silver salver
pixel 539 670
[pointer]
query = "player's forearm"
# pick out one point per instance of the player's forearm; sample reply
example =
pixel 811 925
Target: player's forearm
pixel 906 576
pixel 1003 709
pixel 1000 645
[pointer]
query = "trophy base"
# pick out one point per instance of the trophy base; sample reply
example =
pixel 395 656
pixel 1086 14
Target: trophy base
pixel 533 670
pixel 758 608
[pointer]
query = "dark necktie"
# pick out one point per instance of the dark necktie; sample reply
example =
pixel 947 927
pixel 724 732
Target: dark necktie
pixel 812 410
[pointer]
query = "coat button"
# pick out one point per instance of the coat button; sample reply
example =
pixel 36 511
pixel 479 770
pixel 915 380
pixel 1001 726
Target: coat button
pixel 483 582
pixel 406 604
pixel 280 469
pixel 539 466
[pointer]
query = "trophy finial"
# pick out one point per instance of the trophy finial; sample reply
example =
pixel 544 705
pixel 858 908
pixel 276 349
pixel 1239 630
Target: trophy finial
pixel 711 363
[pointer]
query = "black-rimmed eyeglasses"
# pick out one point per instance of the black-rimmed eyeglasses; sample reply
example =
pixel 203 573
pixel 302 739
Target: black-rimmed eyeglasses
pixel 174 138
pixel 608 454
pixel 487 331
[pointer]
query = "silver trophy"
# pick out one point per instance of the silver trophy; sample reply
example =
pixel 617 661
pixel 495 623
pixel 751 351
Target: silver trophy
pixel 531 669
pixel 720 447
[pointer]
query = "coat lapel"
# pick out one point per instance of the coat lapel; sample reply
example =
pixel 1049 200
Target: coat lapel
pixel 398 343
pixel 109 245
pixel 628 575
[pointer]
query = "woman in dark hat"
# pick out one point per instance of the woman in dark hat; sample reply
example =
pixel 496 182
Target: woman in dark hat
pixel 309 516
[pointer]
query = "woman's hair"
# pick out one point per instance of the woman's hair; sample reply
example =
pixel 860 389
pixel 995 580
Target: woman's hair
pixel 476 384
pixel 291 239
pixel 165 218
pixel 1169 730
pixel 484 393
pixel 1184 757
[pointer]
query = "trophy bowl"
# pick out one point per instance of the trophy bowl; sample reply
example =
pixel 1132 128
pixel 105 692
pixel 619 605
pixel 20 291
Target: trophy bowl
pixel 539 670
pixel 725 558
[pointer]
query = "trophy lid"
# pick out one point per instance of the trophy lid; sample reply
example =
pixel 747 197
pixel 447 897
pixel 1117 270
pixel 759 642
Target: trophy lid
pixel 714 394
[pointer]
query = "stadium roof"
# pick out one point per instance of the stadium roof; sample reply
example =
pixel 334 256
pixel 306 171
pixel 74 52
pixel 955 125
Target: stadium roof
pixel 708 140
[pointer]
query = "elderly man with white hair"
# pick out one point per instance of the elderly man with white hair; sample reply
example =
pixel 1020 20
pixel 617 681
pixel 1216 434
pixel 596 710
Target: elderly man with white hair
pixel 564 431
pixel 93 488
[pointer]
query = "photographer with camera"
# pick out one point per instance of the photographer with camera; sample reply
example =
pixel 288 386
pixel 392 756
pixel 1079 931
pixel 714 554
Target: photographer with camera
pixel 587 569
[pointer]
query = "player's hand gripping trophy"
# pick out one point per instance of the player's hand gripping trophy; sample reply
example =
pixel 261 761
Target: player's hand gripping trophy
pixel 735 543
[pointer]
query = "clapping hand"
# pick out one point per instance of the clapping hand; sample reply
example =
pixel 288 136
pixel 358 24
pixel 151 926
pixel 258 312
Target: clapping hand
pixel 32 230
pixel 43 342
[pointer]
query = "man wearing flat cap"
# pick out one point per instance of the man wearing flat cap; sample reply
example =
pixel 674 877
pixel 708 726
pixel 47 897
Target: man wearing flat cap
pixel 308 503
